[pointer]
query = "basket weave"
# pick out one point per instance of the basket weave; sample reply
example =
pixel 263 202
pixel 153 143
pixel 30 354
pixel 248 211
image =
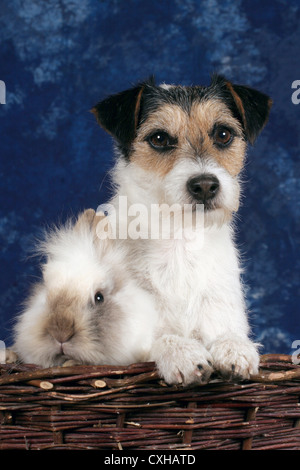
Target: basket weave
pixel 130 408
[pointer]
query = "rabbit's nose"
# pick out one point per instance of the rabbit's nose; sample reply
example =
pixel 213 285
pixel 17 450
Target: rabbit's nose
pixel 63 336
pixel 62 329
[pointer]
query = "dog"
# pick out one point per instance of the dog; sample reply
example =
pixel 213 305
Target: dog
pixel 186 145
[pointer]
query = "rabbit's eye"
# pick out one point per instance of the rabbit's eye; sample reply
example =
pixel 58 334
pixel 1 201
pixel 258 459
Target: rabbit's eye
pixel 98 298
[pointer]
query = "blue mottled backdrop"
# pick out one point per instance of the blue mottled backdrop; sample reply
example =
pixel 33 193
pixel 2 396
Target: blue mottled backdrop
pixel 58 58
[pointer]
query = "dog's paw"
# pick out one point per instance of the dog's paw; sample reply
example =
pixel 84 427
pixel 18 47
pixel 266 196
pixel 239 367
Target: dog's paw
pixel 181 360
pixel 234 357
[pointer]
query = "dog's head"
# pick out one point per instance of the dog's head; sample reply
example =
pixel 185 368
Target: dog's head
pixel 189 141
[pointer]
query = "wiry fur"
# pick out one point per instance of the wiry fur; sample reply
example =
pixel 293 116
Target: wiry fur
pixel 61 321
pixel 196 282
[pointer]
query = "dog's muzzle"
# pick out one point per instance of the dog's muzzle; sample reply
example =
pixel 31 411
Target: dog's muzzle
pixel 203 188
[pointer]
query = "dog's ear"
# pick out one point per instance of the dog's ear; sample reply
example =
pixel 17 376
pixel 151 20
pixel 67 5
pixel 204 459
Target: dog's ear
pixel 253 108
pixel 250 106
pixel 119 114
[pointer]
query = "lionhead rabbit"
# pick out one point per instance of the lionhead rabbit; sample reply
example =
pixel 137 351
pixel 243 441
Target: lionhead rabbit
pixel 87 308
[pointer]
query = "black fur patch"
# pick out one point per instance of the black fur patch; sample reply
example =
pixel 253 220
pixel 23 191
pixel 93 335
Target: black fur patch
pixel 155 97
pixel 249 106
pixel 123 113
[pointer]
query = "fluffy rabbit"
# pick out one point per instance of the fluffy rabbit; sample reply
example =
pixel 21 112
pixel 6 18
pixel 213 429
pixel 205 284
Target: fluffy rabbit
pixel 87 309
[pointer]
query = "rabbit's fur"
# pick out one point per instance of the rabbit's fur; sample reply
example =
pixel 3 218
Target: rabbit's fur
pixel 87 308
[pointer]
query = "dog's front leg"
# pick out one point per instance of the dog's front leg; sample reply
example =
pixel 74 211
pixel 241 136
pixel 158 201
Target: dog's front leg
pixel 181 360
pixel 224 328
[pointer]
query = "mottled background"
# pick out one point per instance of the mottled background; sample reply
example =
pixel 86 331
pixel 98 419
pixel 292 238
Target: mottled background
pixel 58 58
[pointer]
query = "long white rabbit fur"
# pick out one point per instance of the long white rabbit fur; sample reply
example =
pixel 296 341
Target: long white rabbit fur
pixel 62 323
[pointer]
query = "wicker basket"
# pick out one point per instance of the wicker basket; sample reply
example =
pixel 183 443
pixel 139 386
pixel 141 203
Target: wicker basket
pixel 130 408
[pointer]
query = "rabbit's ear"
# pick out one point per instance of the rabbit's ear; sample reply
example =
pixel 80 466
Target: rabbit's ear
pixel 99 217
pixel 97 223
pixel 85 219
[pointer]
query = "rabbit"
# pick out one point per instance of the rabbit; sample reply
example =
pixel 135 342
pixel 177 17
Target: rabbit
pixel 87 308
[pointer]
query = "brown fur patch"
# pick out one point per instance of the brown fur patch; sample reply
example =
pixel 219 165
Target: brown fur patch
pixel 61 323
pixel 173 120
pixel 90 221
pixel 194 133
pixel 206 115
pixel 85 220
pixel 238 103
pixel 137 107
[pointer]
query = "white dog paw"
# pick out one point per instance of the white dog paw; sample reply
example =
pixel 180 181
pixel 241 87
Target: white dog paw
pixel 182 360
pixel 235 357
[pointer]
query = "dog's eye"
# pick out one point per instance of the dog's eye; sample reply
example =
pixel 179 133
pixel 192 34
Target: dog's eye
pixel 222 136
pixel 161 141
pixel 98 298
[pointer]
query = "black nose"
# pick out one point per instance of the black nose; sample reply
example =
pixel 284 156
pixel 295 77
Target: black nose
pixel 203 187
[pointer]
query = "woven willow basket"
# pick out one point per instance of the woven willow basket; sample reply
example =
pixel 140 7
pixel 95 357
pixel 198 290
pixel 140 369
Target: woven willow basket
pixel 130 408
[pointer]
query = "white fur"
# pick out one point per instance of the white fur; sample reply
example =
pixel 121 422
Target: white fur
pixel 78 266
pixel 195 280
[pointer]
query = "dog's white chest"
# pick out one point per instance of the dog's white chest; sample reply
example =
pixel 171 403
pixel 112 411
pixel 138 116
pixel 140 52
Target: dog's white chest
pixel 178 267
pixel 186 275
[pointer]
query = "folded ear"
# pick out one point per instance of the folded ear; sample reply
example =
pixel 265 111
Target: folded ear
pixel 95 223
pixel 119 114
pixel 103 232
pixel 85 220
pixel 253 108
